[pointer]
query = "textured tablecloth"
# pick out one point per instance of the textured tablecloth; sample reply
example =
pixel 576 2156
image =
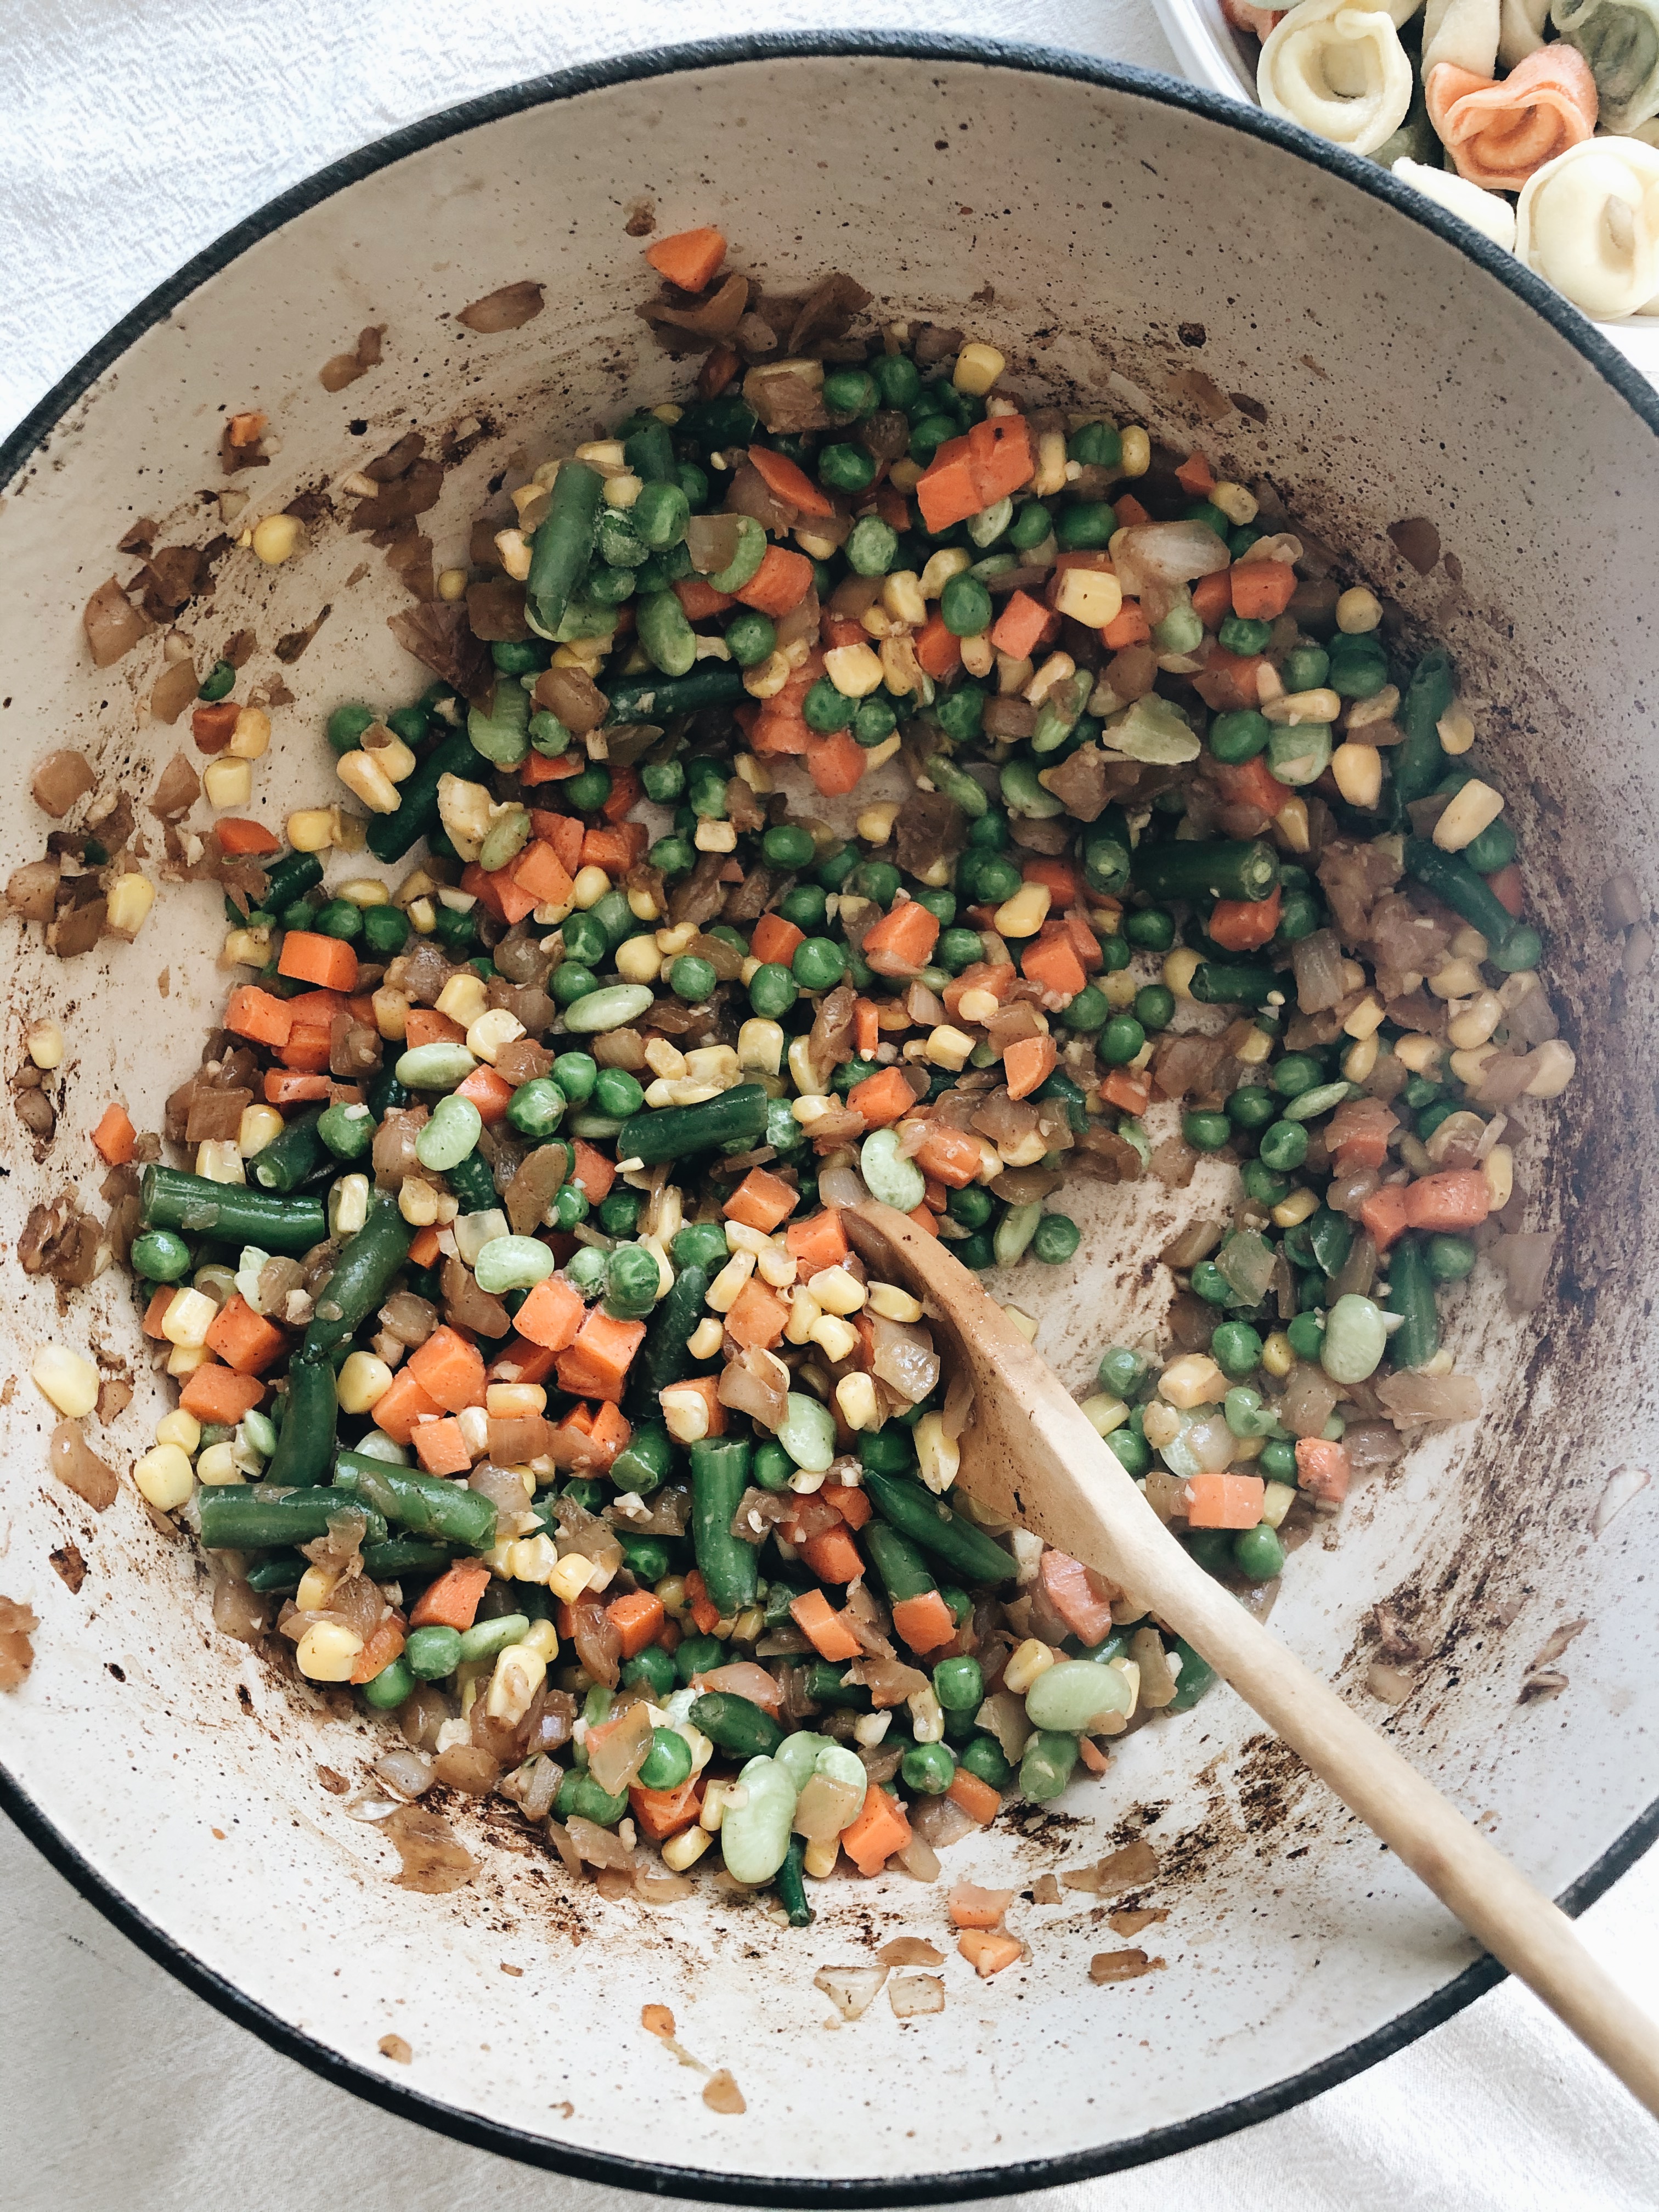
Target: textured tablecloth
pixel 135 131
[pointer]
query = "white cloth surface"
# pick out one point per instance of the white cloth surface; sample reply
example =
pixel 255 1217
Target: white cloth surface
pixel 137 132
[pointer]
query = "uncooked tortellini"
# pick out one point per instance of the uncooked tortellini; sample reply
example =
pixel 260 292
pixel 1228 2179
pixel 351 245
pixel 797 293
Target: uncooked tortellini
pixel 1589 223
pixel 1490 213
pixel 1338 70
pixel 1619 39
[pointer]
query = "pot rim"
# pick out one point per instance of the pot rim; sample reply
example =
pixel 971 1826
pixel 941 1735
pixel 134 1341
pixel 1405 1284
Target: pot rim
pixel 30 434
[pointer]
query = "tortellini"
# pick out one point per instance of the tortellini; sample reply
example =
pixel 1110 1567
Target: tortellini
pixel 1589 223
pixel 1498 134
pixel 1487 212
pixel 1619 39
pixel 1339 70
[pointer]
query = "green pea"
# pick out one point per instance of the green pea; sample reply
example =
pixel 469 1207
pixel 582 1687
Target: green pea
pixel 664 781
pixel 632 1282
pixel 1238 634
pixel 432 1653
pixel 982 1755
pixel 1245 1412
pixel 1239 735
pixel 1055 1238
pixel 668 1762
pixel 1121 1040
pixel 1299 753
pixel 1283 1146
pixel 675 856
pixel 1150 929
pixel 750 639
pixel 341 919
pixel 819 965
pixel 1251 1108
pixel 771 1467
pixel 876 880
pixel 618 1214
pixel 928 1768
pixel 590 789
pixel 455 927
pixel 1359 667
pixel 1258 1554
pixel 160 1256
pixel 535 1108
pixel 1088 1011
pixel 692 978
pixel 1450 1258
pixel 219 683
pixel 586 1269
pixel 348 1131
pixel 892 1181
pixel 612 1007
pixel 965 606
pixel 896 378
pixel 346 725
pixel 617 1093
pixel 846 468
pixel 824 708
pixel 1206 1133
pixel 1306 1333
pixel 1306 668
pixel 874 722
pixel 1131 1449
pixel 850 392
pixel 512 1263
pixel 575 1073
pixel 1355 1339
pixel 1277 1459
pixel 570 981
pixel 660 515
pixel 1122 1372
pixel 1208 1282
pixel 693 482
pixel 385 930
pixel 1236 1348
pixel 959 1684
pixel 653 1671
pixel 387 1690
pixel 977 1251
pixel 927 435
pixel 772 990
pixel 873 548
pixel 434 1067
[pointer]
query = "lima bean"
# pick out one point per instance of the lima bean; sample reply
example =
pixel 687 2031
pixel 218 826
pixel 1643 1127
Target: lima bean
pixel 512 1263
pixel 1356 1336
pixel 807 1432
pixel 896 1182
pixel 612 1008
pixel 434 1067
pixel 1073 1694
pixel 755 1836
pixel 450 1135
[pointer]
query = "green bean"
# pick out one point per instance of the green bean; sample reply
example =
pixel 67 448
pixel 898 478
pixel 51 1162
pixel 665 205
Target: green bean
pixel 720 1475
pixel 419 1502
pixel 824 1682
pixel 487 1639
pixel 390 836
pixel 736 1116
pixel 656 698
pixel 362 1277
pixel 235 1517
pixel 1510 944
pixel 291 1155
pixel 663 1358
pixel 229 1213
pixel 1226 869
pixel 929 1521
pixel 1046 1767
pixel 564 544
pixel 902 1570
pixel 307 1438
pixel 1235 983
pixel 649 452
pixel 1420 762
pixel 290 879
pixel 404 1555
pixel 283 1574
pixel 736 1724
pixel 1411 1295
pixel 792 1885
pixel 473 1181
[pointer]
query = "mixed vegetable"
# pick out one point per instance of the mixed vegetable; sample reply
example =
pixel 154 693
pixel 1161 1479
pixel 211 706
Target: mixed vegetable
pixel 528 1382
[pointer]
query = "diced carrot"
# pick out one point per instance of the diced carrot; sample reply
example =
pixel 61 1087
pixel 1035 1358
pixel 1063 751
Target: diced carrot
pixel 969 1905
pixel 832 1557
pixel 878 1829
pixel 1052 963
pixel 254 1014
pixel 1083 942
pixel 1249 783
pixel 1213 599
pixel 551 1315
pixel 1128 1089
pixel 1094 1759
pixel 781 581
pixel 1129 512
pixel 987 1952
pixel 243 1339
pixel 902 940
pixel 449 1370
pixel 817 1243
pixel 761 1201
pixel 213 726
pixel 1195 475
pixel 939 649
pixel 596 1366
pixel 1228 682
pixel 925 1622
pixel 952 1155
pixel 384 1644
pixel 850 1501
pixel 823 1628
pixel 310 958
pixel 1028 1063
pixel 424 1247
pixel 489 1092
pixel 453 1601
pixel 115 1140
pixel 663 1813
pixel 1242 925
pixel 1017 631
pixel 614 848
pixel 1060 877
pixel 593 1173
pixel 866 1026
pixel 789 482
pixel 923 1219
pixel 1262 589
pixel 1456 1197
pixel 440 1446
pixel 401 1405
pixel 238 836
pixel 979 1799
pixel 247 427
pixel 774 941
pixel 316 1009
pixel 308 1049
pixel 563 832
pixel 156 1312
pixel 1323 1468
pixel 520 1361
pixel 1128 627
pixel 703 1610
pixel 1082 1598
pixel 945 494
pixel 624 795
pixel 690 258
pixel 540 872
pixel 836 763
pixel 882 1098
pixel 699 599
pixel 774 732
pixel 221 1394
pixel 1383 1215
pixel 610 1433
pixel 757 1316
pixel 544 768
pixel 967 474
pixel 637 1617
pixel 1224 1501
pixel 1505 886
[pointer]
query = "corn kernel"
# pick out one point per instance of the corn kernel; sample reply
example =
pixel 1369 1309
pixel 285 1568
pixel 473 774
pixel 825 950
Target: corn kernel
pixel 893 1304
pixel 246 948
pixel 1357 770
pixel 1058 668
pixel 706 1338
pixel 1359 1059
pixel 856 1397
pixel 1479 1018
pixel 1419 1054
pixel 464 998
pixel 1135 456
pixel 938 1458
pixel 1193 1380
pixel 452 585
pixel 818 1859
pixel 68 1380
pixel 875 823
pixel 1276 1499
pixel 394 759
pixel 1025 1662
pixel 164 1477
pixel 1024 914
pixel 854 669
pixel 760 1046
pixel 348 1205
pixel 978 366
pixel 1295 1209
pixel 950 561
pixel 900 595
pixel 1555 1067
pixel 682 1851
pixel 519 1673
pixel 768 677
pixel 277 537
pixel 1050 475
pixel 1499 1168
pixel 216 1465
pixel 1455 730
pixel 1089 596
pixel 685 1414
pixel 1179 968
pixel 316 1588
pixel 179 1428
pixel 836 1339
pixel 184 1359
pixel 251 736
pixel 1472 808
pixel 1235 500
pixel 130 898
pixel 256 1129
pixel 1358 611
pixel 571 1576
pixel 543 1638
pixel 638 961
pixel 417 1202
pixel 1276 1355
pixel 714 836
pixel 367 780
pixel 391 1013
pixel 311 828
pixel 361 1382
pixel 1291 822
pixel 328 1651
pixel 492 1032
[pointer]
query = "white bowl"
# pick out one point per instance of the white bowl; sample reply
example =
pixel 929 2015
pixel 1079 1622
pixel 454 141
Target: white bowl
pixel 1128 230
pixel 1213 54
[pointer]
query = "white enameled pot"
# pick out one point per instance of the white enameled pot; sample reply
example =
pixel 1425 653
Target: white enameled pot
pixel 1114 233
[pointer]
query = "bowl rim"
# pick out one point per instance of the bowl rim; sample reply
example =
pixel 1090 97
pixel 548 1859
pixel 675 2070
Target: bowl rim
pixel 31 433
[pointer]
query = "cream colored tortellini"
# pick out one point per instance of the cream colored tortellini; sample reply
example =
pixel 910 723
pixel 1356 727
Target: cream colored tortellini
pixel 1339 70
pixel 1461 31
pixel 1589 223
pixel 1490 213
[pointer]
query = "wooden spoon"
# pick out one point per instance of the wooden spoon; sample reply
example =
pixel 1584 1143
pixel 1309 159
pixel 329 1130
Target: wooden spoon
pixel 1028 1453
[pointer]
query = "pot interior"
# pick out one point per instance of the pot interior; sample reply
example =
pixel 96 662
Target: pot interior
pixel 1189 272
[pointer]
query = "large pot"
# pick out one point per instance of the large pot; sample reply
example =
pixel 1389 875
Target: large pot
pixel 1098 224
